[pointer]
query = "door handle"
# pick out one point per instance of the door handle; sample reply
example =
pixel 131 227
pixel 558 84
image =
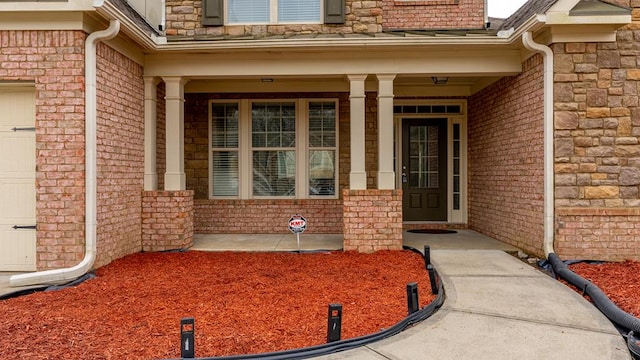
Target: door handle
pixel 404 177
pixel 31 227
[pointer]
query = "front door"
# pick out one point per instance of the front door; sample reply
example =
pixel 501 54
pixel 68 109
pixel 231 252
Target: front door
pixel 424 169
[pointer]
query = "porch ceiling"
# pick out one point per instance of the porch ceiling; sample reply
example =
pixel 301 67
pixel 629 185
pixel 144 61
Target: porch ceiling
pixel 467 71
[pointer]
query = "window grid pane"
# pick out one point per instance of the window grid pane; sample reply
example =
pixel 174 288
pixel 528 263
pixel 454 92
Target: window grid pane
pixel 248 11
pixel 273 125
pixel 298 10
pixel 274 173
pixel 423 157
pixel 224 125
pixel 322 124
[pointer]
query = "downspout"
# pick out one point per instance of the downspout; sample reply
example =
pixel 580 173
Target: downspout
pixel 549 198
pixel 57 276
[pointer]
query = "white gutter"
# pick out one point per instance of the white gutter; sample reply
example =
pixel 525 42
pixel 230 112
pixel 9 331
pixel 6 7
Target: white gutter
pixel 57 276
pixel 549 199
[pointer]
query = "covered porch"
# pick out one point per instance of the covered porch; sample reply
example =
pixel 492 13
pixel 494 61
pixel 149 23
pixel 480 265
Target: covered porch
pixel 399 152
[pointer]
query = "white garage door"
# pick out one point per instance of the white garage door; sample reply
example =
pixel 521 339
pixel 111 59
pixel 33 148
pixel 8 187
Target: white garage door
pixel 17 178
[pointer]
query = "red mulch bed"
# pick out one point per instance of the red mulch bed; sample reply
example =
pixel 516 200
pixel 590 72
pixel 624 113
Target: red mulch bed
pixel 242 303
pixel 620 281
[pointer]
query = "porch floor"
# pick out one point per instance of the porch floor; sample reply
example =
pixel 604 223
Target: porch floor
pixel 461 240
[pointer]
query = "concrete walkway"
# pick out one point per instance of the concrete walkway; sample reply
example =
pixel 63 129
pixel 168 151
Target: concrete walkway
pixel 496 307
pixel 499 308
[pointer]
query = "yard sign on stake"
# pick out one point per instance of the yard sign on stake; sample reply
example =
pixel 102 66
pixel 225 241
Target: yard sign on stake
pixel 297 225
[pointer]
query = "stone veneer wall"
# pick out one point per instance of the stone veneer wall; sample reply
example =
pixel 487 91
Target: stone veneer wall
pixel 120 153
pixel 183 19
pixel 372 220
pixel 597 146
pixel 506 159
pixel 167 220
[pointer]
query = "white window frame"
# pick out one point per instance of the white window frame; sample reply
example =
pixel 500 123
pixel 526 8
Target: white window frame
pixel 302 149
pixel 273 15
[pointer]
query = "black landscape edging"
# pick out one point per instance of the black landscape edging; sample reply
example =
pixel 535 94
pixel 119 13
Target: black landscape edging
pixel 348 344
pixel 629 323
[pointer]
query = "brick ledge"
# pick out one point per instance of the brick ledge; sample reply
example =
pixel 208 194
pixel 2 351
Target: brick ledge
pixel 598 211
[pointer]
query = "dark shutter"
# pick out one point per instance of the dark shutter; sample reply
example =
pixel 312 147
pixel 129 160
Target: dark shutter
pixel 212 13
pixel 334 11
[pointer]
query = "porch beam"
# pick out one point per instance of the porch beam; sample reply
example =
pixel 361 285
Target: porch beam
pixel 150 137
pixel 474 63
pixel 358 174
pixel 386 174
pixel 174 178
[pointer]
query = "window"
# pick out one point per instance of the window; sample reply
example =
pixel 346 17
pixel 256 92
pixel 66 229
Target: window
pixel 224 148
pixel 322 145
pixel 273 138
pixel 273 149
pixel 273 11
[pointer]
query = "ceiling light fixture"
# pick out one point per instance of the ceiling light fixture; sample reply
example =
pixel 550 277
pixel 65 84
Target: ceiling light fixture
pixel 437 80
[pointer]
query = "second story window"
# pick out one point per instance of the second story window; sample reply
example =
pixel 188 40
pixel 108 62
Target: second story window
pixel 273 11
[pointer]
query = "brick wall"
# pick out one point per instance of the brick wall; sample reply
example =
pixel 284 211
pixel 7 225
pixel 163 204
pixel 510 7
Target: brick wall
pixel 167 220
pixel 266 216
pixel 598 233
pixel 372 220
pixel 183 21
pixel 506 159
pixel 212 216
pixel 120 149
pixel 54 61
pixel 433 14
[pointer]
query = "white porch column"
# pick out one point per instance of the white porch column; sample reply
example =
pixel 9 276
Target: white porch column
pixel 386 174
pixel 150 140
pixel 174 178
pixel 358 175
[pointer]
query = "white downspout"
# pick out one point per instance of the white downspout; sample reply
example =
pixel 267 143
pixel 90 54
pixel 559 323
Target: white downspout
pixel 57 276
pixel 549 198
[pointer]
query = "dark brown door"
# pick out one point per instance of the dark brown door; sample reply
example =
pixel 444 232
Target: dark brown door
pixel 424 169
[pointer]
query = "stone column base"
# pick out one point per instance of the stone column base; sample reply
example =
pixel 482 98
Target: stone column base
pixel 167 220
pixel 372 220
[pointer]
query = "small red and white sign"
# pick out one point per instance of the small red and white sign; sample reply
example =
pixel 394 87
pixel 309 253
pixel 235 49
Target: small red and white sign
pixel 297 224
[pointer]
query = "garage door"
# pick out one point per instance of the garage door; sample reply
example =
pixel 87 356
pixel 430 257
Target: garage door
pixel 17 178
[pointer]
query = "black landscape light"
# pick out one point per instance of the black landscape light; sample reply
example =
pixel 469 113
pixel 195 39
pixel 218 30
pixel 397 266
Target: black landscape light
pixel 412 297
pixel 433 279
pixel 187 338
pixel 427 255
pixel 334 326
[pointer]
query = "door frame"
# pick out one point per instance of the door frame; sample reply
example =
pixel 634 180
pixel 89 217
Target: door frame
pixel 454 216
